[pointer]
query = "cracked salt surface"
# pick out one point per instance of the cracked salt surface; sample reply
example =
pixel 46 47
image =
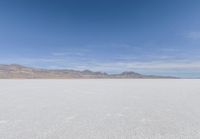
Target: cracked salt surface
pixel 3 121
pixel 100 109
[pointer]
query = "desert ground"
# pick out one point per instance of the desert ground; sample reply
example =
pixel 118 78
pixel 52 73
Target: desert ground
pixel 100 109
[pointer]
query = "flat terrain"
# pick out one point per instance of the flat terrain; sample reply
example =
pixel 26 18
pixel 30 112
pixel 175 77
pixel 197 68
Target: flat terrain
pixel 100 109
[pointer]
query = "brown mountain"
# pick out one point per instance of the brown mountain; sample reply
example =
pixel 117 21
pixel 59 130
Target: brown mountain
pixel 15 71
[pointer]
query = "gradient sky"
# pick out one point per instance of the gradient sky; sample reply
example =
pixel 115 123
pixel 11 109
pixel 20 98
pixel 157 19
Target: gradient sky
pixel 148 36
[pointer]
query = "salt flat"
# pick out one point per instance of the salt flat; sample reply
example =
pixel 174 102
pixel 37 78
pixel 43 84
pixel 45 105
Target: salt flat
pixel 100 109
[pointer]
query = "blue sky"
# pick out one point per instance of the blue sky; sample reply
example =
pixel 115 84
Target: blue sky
pixel 147 36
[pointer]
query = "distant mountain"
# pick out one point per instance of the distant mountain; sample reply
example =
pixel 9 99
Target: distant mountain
pixel 15 71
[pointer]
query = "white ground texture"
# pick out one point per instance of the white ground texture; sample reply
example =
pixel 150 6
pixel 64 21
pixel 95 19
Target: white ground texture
pixel 100 109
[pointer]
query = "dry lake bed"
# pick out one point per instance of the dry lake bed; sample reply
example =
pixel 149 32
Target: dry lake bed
pixel 100 109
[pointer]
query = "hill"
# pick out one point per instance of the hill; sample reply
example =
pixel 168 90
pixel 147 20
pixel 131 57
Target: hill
pixel 15 71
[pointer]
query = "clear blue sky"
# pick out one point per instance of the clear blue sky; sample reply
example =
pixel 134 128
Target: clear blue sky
pixel 146 36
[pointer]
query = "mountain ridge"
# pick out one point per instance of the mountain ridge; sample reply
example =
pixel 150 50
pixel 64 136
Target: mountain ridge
pixel 15 71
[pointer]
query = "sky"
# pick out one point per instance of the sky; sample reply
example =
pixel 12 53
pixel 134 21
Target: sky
pixel 160 37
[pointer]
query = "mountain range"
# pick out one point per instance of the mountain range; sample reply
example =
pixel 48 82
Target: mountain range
pixel 14 71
